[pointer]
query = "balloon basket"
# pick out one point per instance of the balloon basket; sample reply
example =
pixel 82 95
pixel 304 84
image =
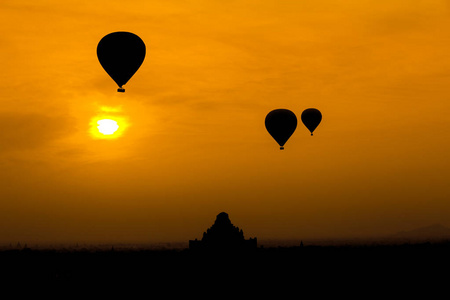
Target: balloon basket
pixel 121 90
pixel 281 148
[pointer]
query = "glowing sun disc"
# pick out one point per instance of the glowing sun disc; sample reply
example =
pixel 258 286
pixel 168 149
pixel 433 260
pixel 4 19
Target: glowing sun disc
pixel 107 126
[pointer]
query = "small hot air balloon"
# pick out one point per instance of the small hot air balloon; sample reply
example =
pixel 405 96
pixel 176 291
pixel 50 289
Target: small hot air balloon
pixel 121 54
pixel 281 124
pixel 311 117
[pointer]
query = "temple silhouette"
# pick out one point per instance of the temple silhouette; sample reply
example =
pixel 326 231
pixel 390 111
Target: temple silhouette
pixel 223 236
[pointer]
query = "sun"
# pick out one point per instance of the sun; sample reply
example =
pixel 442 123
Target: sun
pixel 107 126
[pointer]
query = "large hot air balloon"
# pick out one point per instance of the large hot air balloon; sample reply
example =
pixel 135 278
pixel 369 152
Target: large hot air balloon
pixel 311 117
pixel 121 54
pixel 281 124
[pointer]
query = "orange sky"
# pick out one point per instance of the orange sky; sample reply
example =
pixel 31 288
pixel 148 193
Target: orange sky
pixel 196 145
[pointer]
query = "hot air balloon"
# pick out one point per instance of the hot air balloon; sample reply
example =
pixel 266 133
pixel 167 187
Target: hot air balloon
pixel 281 124
pixel 121 54
pixel 311 117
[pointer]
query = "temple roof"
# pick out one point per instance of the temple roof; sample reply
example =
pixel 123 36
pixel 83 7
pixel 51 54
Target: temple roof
pixel 223 235
pixel 223 230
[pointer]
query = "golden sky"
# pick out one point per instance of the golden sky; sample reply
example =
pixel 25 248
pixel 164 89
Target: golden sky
pixel 195 142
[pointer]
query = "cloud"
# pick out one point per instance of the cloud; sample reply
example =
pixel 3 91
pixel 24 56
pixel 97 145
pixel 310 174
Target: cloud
pixel 24 131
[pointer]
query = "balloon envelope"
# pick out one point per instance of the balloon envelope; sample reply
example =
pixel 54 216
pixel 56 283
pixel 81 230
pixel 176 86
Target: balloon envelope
pixel 121 54
pixel 311 117
pixel 281 124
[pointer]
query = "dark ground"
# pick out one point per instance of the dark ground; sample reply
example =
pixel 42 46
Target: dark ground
pixel 355 265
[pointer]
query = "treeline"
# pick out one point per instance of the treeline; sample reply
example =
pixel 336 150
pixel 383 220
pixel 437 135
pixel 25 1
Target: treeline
pixel 264 262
